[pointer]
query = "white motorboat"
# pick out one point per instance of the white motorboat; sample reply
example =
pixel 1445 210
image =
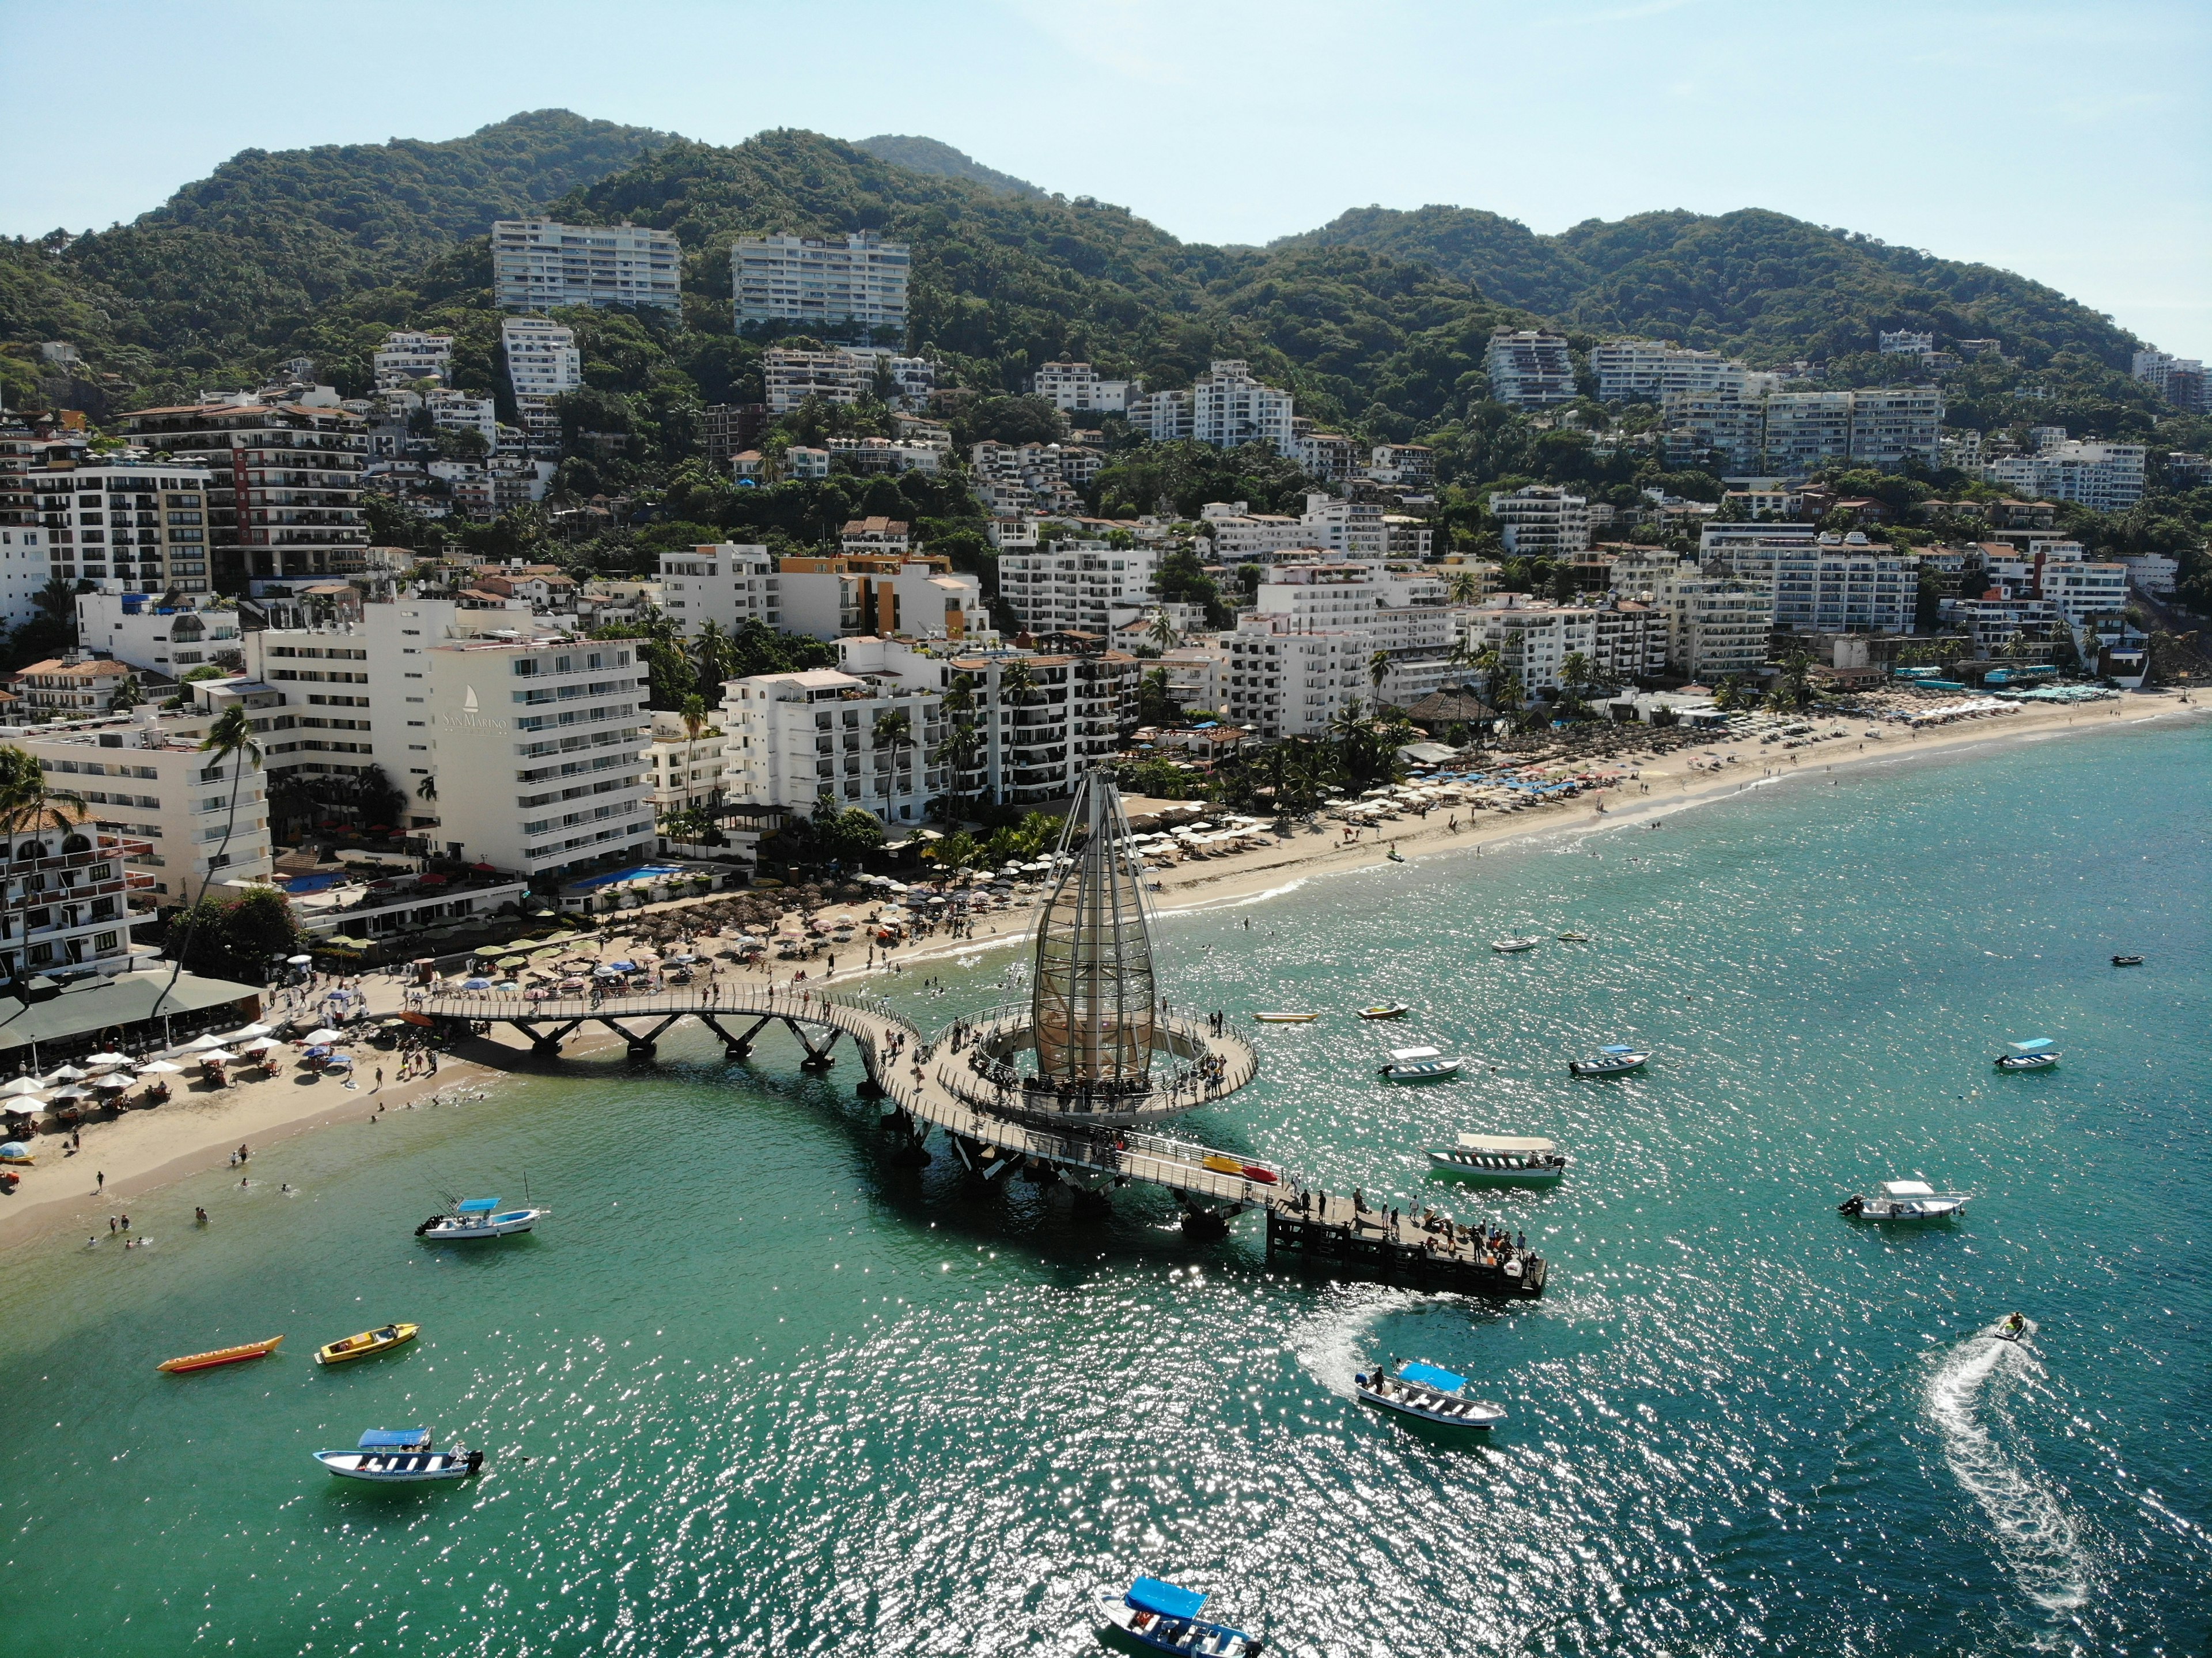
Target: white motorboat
pixel 1164 1616
pixel 1431 1392
pixel 1504 1159
pixel 1903 1199
pixel 477 1218
pixel 1513 946
pixel 401 1456
pixel 1285 1019
pixel 1614 1060
pixel 2037 1054
pixel 1419 1065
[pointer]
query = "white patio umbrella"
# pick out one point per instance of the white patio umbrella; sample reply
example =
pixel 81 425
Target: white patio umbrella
pixel 201 1044
pixel 68 1073
pixel 217 1056
pixel 109 1059
pixel 246 1033
pixel 260 1045
pixel 111 1085
pixel 159 1068
pixel 325 1035
pixel 21 1087
pixel 298 961
pixel 65 1094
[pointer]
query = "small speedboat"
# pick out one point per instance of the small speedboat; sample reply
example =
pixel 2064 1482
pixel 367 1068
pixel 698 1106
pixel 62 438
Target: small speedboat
pixel 1573 938
pixel 400 1456
pixel 1396 856
pixel 1164 1616
pixel 1502 1159
pixel 1614 1060
pixel 473 1218
pixel 1513 946
pixel 2127 961
pixel 2037 1054
pixel 1385 1010
pixel 209 1360
pixel 1431 1392
pixel 1287 1018
pixel 1419 1065
pixel 1903 1199
pixel 368 1342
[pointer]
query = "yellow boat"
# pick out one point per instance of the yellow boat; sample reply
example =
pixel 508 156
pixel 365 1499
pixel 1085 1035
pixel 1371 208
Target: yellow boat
pixel 381 1340
pixel 208 1361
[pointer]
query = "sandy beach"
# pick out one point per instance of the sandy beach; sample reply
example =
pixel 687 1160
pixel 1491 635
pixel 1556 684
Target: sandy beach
pixel 142 1151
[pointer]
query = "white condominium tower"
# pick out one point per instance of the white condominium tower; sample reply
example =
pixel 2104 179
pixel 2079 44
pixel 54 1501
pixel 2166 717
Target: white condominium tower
pixel 861 278
pixel 537 264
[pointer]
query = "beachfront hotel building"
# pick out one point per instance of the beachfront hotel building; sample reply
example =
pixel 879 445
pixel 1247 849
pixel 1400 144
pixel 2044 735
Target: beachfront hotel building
pixel 126 528
pixel 1075 584
pixel 1542 521
pixel 148 787
pixel 1534 640
pixel 1825 583
pixel 65 901
pixel 538 263
pixel 283 488
pixel 860 279
pixel 538 745
pixel 866 739
pixel 684 770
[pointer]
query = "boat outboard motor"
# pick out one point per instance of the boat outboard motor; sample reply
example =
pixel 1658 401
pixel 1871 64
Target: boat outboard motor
pixel 1851 1205
pixel 476 1460
pixel 428 1224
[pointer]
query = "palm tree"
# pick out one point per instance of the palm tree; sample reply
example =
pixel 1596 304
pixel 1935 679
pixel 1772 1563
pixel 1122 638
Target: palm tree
pixel 1464 587
pixel 427 791
pixel 1378 670
pixel 1161 632
pixel 693 712
pixel 230 736
pixel 1576 672
pixel 1491 666
pixel 128 695
pixel 716 653
pixel 1016 682
pixel 291 799
pixel 957 748
pixel 27 805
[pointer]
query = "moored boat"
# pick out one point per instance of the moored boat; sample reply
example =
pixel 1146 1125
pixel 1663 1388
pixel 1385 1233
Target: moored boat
pixel 1287 1018
pixel 1513 946
pixel 1573 938
pixel 1385 1010
pixel 2037 1054
pixel 1614 1060
pixel 401 1456
pixel 1502 1159
pixel 473 1218
pixel 2127 961
pixel 1431 1392
pixel 380 1340
pixel 1904 1200
pixel 1419 1065
pixel 1164 1617
pixel 208 1361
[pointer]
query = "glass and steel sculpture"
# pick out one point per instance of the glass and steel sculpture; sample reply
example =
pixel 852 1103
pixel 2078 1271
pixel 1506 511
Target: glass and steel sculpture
pixel 1092 1009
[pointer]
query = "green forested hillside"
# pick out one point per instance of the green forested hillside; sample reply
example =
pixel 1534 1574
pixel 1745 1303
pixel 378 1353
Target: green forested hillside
pixel 1762 283
pixel 929 156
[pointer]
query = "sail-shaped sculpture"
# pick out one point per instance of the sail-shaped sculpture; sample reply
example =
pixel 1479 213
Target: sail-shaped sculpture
pixel 1092 1009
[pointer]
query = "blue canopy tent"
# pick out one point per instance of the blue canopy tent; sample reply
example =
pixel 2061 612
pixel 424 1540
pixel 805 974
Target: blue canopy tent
pixel 1426 1374
pixel 396 1439
pixel 1616 1048
pixel 1168 1599
pixel 476 1205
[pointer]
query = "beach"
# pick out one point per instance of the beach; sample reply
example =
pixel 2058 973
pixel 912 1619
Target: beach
pixel 142 1151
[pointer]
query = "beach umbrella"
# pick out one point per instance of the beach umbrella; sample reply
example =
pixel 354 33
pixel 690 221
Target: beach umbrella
pixel 62 1093
pixel 201 1044
pixel 260 1045
pixel 159 1068
pixel 111 1085
pixel 217 1056
pixel 14 1149
pixel 21 1086
pixel 475 984
pixel 246 1033
pixel 109 1059
pixel 327 1034
pixel 337 1061
pixel 299 961
pixel 68 1073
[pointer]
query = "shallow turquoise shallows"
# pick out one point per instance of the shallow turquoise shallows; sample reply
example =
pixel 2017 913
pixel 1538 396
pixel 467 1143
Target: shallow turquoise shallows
pixel 752 1389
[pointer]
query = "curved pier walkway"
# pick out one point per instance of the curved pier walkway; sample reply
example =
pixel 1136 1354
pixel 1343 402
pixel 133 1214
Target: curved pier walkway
pixel 991 1131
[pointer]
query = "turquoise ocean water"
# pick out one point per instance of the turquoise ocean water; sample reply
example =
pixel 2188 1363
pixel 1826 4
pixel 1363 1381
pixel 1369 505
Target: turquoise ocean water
pixel 754 1390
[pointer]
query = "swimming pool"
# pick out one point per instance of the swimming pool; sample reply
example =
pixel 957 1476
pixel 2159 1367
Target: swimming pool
pixel 615 878
pixel 300 885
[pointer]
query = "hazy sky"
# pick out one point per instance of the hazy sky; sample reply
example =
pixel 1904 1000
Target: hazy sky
pixel 2068 141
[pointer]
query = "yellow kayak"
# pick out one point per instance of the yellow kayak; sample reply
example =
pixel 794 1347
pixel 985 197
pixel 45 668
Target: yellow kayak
pixel 368 1341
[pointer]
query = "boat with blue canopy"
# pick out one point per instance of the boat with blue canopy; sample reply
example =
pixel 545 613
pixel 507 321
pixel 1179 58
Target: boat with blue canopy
pixel 1614 1060
pixel 1431 1392
pixel 2036 1053
pixel 1420 1064
pixel 475 1218
pixel 1164 1617
pixel 401 1456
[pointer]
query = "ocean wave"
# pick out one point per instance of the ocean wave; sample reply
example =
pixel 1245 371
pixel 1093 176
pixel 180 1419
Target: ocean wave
pixel 2035 1534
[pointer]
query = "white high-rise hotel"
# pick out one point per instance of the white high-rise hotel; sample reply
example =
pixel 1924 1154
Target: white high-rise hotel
pixel 821 280
pixel 537 264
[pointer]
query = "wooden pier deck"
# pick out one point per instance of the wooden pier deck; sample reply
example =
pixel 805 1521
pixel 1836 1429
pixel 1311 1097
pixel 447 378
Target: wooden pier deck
pixel 991 1132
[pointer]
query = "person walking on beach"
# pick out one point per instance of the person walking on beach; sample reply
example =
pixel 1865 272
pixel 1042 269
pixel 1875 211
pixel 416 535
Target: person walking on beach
pixel 102 1178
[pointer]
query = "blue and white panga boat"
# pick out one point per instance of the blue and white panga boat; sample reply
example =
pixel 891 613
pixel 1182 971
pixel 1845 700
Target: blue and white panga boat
pixel 1419 1065
pixel 2037 1054
pixel 1431 1392
pixel 401 1456
pixel 1502 1159
pixel 1614 1060
pixel 1164 1616
pixel 477 1218
pixel 1903 1199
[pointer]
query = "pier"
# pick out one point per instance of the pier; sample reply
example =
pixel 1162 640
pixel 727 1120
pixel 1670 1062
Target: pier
pixel 996 1129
